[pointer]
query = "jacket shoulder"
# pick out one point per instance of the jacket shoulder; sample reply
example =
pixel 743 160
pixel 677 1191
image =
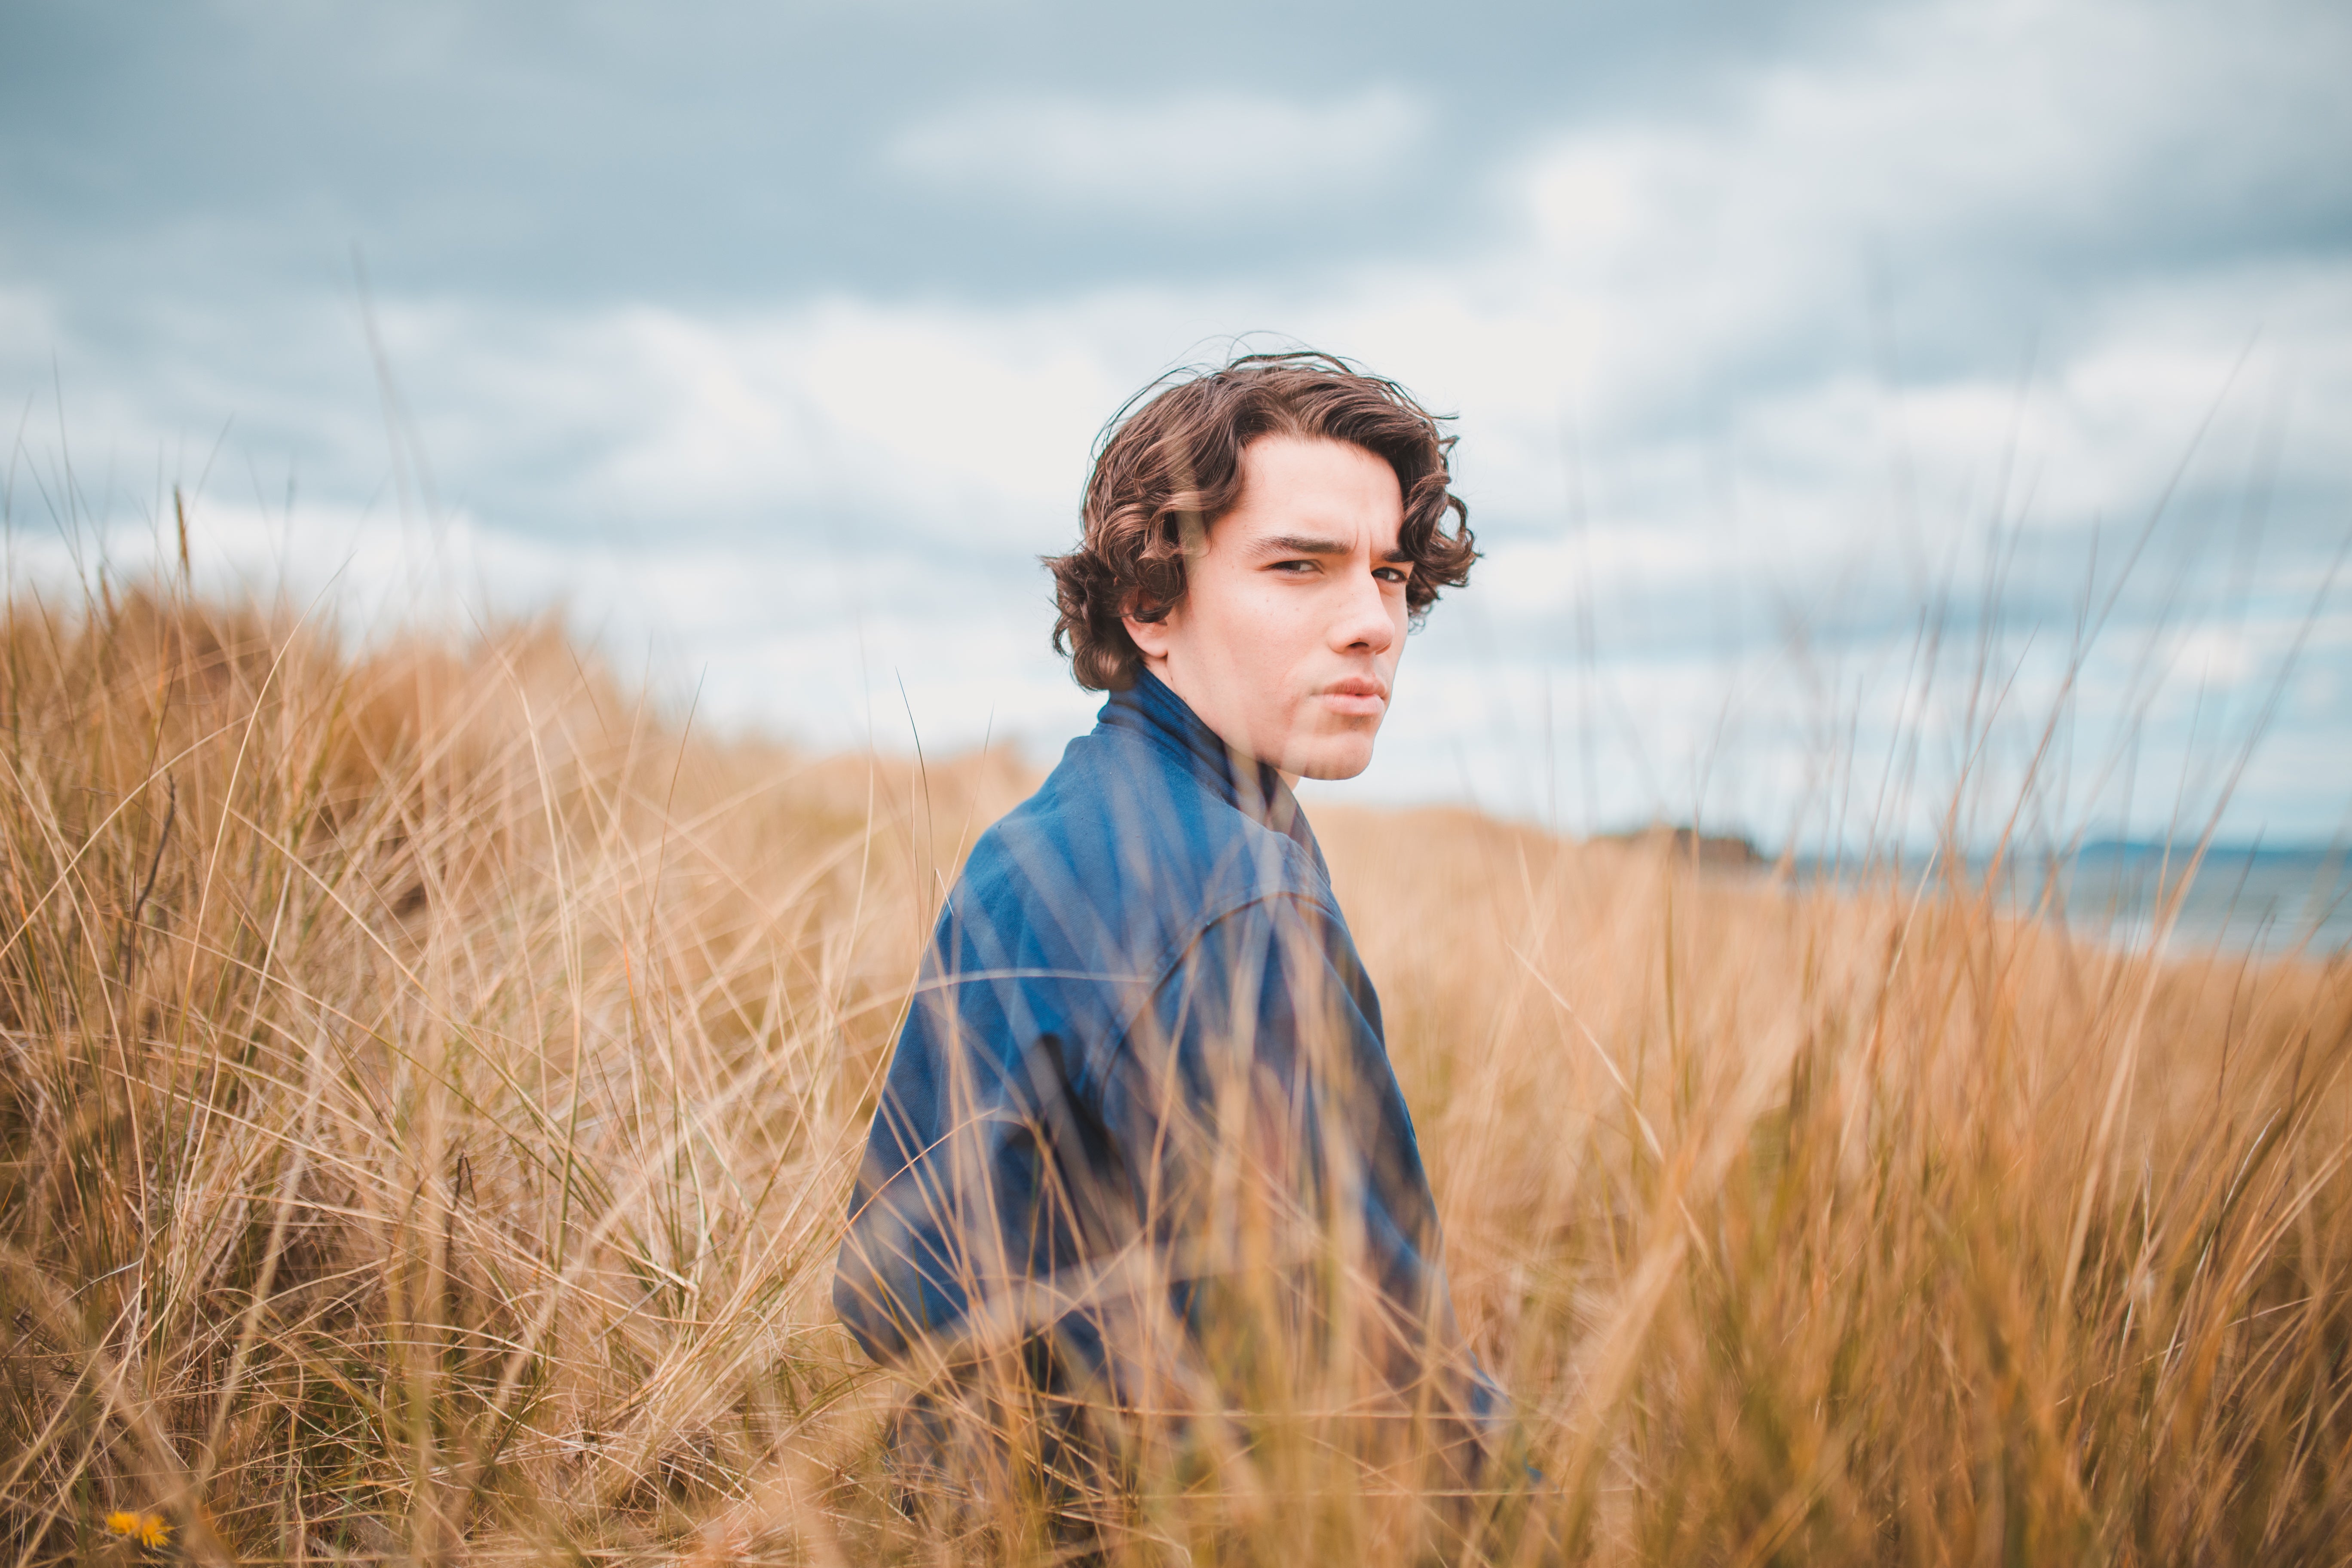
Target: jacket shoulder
pixel 1129 841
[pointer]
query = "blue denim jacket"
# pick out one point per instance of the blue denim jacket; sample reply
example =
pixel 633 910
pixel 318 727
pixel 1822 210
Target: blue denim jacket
pixel 1156 911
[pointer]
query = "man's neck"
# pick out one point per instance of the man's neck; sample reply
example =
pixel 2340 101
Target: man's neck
pixel 1241 754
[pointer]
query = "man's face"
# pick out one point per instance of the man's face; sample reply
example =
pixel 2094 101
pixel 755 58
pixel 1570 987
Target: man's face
pixel 1287 641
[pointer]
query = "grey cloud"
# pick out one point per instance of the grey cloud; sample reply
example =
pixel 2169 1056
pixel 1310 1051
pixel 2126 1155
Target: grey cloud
pixel 709 152
pixel 1179 161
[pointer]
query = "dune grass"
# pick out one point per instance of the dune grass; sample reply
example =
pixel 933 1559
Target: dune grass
pixel 429 1084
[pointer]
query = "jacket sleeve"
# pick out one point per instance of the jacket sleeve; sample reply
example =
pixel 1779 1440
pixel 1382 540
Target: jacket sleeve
pixel 963 1220
pixel 1265 1140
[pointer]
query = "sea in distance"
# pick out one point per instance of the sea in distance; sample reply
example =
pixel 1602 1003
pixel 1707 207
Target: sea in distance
pixel 2238 899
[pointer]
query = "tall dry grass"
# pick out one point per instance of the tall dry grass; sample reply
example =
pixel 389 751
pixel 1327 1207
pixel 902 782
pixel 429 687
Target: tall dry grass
pixel 428 1085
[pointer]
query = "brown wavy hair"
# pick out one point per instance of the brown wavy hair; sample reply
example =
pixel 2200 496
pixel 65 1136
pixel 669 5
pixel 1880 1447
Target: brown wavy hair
pixel 1169 465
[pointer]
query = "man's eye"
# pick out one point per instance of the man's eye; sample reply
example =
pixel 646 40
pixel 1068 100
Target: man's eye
pixel 1391 573
pixel 1296 568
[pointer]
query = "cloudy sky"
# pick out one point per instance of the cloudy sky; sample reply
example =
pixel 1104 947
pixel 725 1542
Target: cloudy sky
pixel 1845 391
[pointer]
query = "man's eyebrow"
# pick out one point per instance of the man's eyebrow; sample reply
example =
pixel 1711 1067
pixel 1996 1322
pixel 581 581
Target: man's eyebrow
pixel 1316 544
pixel 1302 544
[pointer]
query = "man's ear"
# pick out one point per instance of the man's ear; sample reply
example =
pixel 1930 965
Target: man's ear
pixel 1150 636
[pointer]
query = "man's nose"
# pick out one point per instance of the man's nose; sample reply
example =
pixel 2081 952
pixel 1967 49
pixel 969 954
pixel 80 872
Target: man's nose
pixel 1363 621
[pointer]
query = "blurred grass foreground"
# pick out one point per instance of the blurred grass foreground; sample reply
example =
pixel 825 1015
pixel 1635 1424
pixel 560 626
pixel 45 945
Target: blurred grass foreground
pixel 429 1085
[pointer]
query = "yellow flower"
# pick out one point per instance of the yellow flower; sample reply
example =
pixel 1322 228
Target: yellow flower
pixel 147 1529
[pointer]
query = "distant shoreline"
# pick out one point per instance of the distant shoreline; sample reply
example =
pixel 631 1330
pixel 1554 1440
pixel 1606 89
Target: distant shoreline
pixel 2242 899
pixel 2262 900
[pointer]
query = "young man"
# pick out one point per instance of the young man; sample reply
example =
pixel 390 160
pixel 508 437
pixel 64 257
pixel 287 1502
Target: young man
pixel 1140 1140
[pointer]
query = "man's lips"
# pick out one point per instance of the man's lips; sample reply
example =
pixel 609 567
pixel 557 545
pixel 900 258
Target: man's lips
pixel 1357 696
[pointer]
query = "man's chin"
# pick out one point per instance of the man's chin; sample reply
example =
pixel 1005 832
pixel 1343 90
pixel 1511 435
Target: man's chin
pixel 1332 763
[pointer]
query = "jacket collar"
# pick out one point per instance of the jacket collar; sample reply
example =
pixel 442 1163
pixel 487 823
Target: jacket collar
pixel 1256 789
